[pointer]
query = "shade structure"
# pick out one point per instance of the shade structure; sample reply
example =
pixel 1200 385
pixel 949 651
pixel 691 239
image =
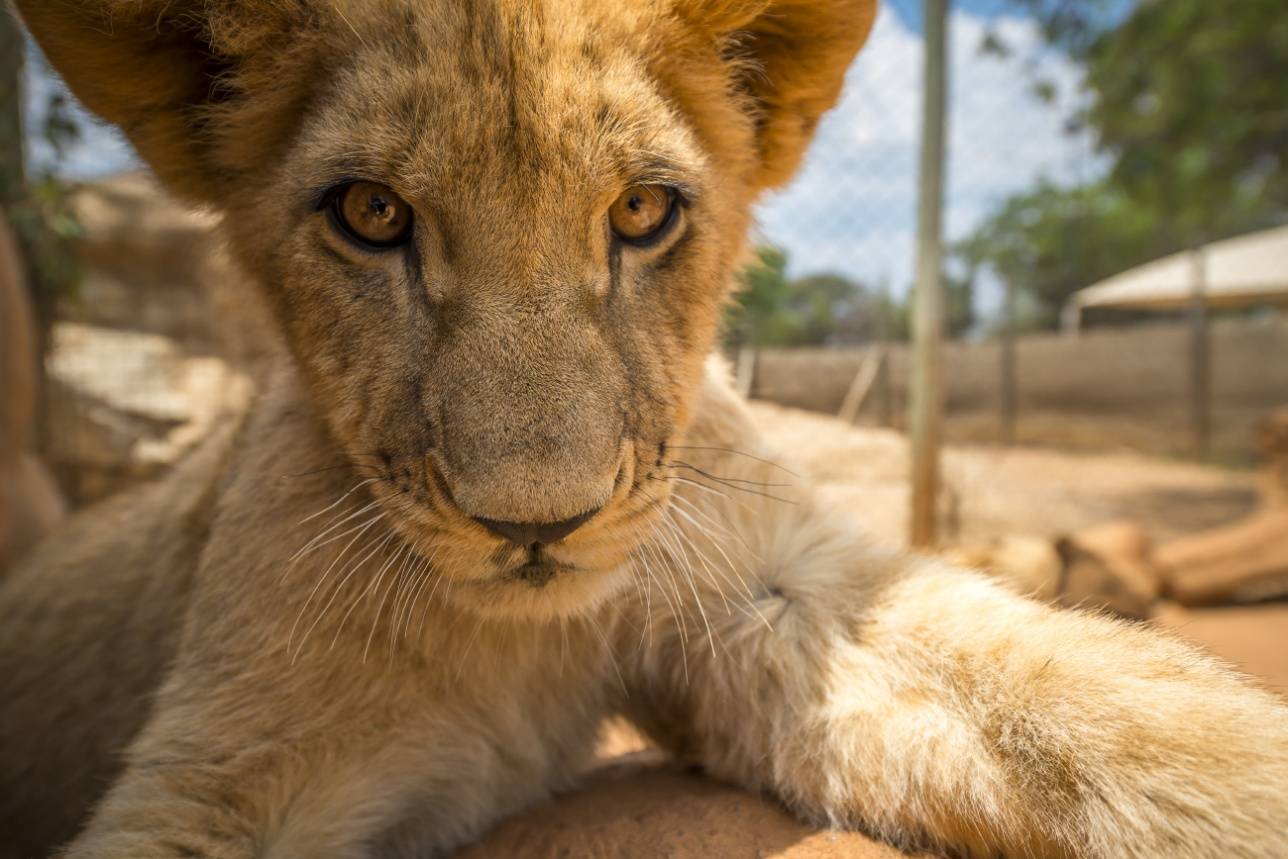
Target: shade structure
pixel 1248 270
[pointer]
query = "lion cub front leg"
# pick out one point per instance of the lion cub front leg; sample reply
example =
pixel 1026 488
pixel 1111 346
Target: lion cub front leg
pixel 927 705
pixel 931 708
pixel 341 783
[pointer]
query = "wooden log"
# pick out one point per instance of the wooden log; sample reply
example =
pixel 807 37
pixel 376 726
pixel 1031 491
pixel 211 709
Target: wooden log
pixel 864 377
pixel 1239 563
pixel 1272 440
pixel 1110 566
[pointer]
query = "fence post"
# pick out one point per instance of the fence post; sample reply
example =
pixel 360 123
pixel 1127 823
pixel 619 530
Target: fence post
pixel 926 401
pixel 885 375
pixel 1200 357
pixel 1009 394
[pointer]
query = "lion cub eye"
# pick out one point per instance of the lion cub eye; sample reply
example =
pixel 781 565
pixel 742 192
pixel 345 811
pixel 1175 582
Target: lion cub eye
pixel 642 213
pixel 372 215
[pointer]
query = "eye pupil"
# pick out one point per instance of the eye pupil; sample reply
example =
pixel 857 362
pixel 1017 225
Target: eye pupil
pixel 642 213
pixel 372 215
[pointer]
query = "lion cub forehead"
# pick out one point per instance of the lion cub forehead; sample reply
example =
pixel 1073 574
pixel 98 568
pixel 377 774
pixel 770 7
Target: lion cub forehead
pixel 475 93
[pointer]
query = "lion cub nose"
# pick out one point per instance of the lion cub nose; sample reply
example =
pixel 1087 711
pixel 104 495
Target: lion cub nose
pixel 527 533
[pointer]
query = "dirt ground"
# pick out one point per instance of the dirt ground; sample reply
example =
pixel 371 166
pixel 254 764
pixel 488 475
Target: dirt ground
pixel 1041 492
pixel 996 491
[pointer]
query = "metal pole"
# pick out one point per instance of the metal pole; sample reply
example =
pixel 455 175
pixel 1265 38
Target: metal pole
pixel 1200 357
pixel 926 402
pixel 1008 399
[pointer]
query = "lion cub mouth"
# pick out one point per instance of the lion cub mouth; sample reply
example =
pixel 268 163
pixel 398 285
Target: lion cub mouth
pixel 539 568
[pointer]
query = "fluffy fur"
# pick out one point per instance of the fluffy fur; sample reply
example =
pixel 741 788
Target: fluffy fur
pixel 301 643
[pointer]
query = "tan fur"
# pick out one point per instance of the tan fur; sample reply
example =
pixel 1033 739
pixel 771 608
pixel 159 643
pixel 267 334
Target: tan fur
pixel 346 665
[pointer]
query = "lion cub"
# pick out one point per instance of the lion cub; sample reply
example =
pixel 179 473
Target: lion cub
pixel 492 492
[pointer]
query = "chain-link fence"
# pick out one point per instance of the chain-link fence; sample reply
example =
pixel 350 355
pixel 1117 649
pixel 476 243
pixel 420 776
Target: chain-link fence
pixel 1073 154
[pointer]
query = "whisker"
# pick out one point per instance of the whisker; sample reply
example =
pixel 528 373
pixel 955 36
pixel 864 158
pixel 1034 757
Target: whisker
pixel 339 500
pixel 736 452
pixel 315 544
pixel 347 573
pixel 375 621
pixel 737 488
pixel 608 648
pixel 405 549
pixel 723 573
pixel 349 465
pixel 438 580
pixel 321 579
pixel 687 575
pixel 741 481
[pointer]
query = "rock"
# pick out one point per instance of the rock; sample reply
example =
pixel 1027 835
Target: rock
pixel 1110 566
pixel 151 264
pixel 124 405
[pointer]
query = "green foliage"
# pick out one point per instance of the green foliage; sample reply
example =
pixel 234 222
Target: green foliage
pixel 1050 242
pixel 1190 97
pixel 1189 100
pixel 826 309
pixel 47 230
pixel 774 310
pixel 36 206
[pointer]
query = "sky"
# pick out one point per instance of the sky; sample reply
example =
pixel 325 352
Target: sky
pixel 852 209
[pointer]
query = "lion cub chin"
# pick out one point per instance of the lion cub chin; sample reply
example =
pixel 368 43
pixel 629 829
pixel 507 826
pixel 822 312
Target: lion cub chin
pixel 493 492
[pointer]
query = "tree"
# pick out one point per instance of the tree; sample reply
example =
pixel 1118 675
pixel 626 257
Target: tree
pixel 1051 241
pixel 1188 100
pixel 1191 100
pixel 35 204
pixel 12 168
pixel 36 207
pixel 772 309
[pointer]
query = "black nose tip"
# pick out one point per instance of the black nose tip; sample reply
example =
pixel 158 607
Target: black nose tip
pixel 527 533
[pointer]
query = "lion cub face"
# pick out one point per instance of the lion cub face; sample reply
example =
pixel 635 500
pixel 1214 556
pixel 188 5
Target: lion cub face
pixel 497 235
pixel 502 269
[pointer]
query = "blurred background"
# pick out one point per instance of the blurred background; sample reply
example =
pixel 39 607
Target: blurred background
pixel 1114 270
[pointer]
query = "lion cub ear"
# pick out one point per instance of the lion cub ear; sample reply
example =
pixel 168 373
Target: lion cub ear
pixel 162 69
pixel 793 56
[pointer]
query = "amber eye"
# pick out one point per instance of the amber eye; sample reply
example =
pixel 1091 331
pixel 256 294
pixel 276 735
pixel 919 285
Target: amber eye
pixel 372 215
pixel 641 213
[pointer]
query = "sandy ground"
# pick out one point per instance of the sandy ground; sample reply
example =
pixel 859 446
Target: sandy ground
pixel 994 491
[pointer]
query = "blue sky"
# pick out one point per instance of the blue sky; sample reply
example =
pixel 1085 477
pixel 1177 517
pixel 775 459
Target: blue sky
pixel 852 208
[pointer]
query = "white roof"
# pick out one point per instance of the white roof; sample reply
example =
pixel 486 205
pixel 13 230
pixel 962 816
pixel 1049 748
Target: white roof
pixel 1249 269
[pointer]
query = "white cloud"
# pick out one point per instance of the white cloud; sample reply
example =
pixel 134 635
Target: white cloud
pixel 853 208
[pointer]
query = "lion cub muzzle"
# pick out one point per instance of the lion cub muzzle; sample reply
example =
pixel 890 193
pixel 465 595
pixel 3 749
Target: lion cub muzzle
pixel 536 533
pixel 532 450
